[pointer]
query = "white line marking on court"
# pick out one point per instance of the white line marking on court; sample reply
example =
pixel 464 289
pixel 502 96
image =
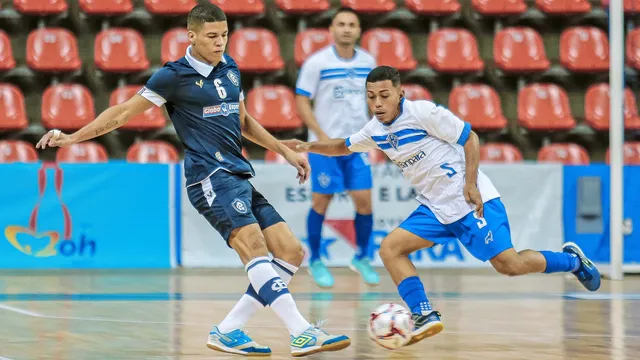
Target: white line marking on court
pixel 19 311
pixel 4 358
pixel 124 321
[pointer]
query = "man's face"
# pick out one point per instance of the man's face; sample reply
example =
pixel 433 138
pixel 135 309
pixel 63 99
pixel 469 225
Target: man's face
pixel 345 29
pixel 210 40
pixel 384 100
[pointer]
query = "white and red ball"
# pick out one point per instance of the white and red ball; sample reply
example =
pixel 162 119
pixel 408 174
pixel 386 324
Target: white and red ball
pixel 390 326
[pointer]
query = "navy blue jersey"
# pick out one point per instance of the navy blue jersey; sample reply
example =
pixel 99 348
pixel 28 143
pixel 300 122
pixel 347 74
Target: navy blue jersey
pixel 203 103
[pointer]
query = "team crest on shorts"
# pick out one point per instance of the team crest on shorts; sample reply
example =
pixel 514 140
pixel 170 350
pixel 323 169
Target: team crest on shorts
pixel 233 77
pixel 393 141
pixel 239 206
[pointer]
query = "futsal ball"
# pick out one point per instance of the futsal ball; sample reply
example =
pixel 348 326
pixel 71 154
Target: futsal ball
pixel 390 326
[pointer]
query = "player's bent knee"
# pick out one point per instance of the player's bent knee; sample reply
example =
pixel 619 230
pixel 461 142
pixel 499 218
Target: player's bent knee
pixel 248 242
pixel 283 244
pixel 320 202
pixel 508 267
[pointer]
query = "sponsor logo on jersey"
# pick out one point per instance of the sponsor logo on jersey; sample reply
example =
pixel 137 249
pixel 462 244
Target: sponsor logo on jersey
pixel 340 92
pixel 223 109
pixel 414 159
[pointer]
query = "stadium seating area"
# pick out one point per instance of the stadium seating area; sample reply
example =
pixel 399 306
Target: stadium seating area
pixel 531 76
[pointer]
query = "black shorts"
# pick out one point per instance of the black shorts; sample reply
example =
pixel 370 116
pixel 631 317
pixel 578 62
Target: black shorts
pixel 229 201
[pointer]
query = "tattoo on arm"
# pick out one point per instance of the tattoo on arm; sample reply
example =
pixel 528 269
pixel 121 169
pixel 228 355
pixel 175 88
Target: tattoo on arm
pixel 110 125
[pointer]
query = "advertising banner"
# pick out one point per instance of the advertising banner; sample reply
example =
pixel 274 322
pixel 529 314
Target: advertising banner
pixel 532 195
pixel 113 215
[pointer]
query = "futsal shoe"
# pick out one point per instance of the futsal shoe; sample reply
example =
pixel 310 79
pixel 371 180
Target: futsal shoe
pixel 236 342
pixel 364 268
pixel 321 274
pixel 587 273
pixel 315 340
pixel 425 326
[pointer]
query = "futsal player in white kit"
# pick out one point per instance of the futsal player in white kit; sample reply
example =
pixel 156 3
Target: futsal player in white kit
pixel 333 78
pixel 438 154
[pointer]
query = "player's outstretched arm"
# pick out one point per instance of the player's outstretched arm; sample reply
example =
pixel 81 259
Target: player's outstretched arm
pixel 331 147
pixel 109 120
pixel 472 162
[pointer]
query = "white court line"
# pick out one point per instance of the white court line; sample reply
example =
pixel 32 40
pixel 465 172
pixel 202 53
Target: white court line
pixel 507 334
pixel 4 358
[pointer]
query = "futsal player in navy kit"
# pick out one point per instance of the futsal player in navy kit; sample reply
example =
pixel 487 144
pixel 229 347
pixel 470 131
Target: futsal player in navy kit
pixel 203 96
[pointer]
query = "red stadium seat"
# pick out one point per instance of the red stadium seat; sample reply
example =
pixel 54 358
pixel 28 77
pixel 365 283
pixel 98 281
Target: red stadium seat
pixel 152 152
pixel 453 50
pixel 308 42
pixel 432 7
pixel 632 48
pixel 13 114
pixel 274 157
pixel 303 6
pixel 567 154
pixel 170 7
pixel 255 50
pixel 416 92
pixel 67 107
pixel 500 153
pixel 7 62
pixel 106 7
pixel 151 119
pixel 240 7
pixel 85 152
pixel 376 157
pixel 274 107
pixel 564 6
pixel 390 47
pixel 519 49
pixel 120 50
pixel 544 107
pixel 12 151
pixel 478 104
pixel 630 153
pixel 174 44
pixel 370 6
pixel 584 49
pixel 596 108
pixel 53 49
pixel 40 7
pixel 499 7
pixel 629 6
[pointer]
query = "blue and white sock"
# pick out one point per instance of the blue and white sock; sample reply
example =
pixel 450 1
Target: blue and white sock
pixel 560 262
pixel 274 292
pixel 364 227
pixel 250 302
pixel 412 292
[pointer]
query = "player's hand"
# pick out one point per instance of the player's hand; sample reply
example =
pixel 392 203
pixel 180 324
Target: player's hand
pixel 301 164
pixel 293 144
pixel 54 138
pixel 472 195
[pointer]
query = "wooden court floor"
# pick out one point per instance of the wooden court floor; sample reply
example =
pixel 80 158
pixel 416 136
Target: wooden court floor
pixel 75 315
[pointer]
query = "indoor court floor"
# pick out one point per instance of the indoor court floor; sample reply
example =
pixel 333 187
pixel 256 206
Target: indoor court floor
pixel 82 315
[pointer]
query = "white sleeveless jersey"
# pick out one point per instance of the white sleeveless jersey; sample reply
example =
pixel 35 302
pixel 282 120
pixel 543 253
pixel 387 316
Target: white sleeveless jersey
pixel 337 87
pixel 426 142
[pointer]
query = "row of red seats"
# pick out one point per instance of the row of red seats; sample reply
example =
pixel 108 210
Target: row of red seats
pixel 540 107
pixel 162 152
pixel 255 7
pixel 517 49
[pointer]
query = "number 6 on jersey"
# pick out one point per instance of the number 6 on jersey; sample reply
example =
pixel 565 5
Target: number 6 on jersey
pixel 221 91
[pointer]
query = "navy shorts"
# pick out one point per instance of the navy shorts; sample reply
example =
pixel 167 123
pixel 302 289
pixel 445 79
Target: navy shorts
pixel 483 237
pixel 229 201
pixel 332 175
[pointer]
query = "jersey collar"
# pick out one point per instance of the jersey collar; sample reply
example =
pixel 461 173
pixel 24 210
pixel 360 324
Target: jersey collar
pixel 202 68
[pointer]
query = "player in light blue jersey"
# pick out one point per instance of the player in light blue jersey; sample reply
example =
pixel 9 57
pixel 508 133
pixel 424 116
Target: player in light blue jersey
pixel 439 155
pixel 203 96
pixel 333 78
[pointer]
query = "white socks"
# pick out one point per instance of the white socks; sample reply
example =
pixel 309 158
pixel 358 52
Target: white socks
pixel 276 274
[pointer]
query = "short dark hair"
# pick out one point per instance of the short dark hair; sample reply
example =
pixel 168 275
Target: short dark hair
pixel 204 13
pixel 382 73
pixel 345 9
